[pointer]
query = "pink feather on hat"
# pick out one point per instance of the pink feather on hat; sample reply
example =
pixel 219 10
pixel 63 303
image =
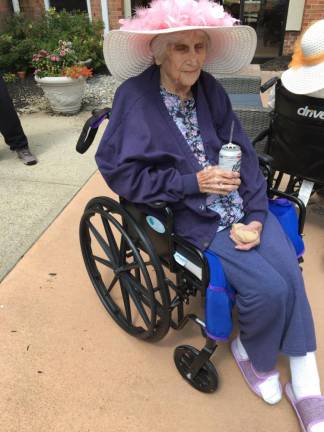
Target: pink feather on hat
pixel 163 14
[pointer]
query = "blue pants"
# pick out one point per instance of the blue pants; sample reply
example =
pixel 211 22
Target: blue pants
pixel 273 310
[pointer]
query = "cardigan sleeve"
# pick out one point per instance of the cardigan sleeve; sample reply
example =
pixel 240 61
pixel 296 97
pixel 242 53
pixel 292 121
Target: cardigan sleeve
pixel 253 188
pixel 138 169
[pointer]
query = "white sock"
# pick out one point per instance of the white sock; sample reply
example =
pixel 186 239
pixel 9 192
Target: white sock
pixel 305 380
pixel 270 388
pixel 241 349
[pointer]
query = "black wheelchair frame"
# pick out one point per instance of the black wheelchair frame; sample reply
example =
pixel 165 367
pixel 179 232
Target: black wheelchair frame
pixel 136 258
pixel 270 146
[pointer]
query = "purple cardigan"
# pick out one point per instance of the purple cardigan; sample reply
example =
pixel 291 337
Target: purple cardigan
pixel 144 157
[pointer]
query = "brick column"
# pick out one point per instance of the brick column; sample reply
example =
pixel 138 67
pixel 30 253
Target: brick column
pixel 115 8
pixel 116 11
pixel 96 9
pixel 313 11
pixel 5 10
pixel 32 8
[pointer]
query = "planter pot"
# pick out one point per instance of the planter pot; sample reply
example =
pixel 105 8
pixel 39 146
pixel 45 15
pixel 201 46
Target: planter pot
pixel 64 94
pixel 21 74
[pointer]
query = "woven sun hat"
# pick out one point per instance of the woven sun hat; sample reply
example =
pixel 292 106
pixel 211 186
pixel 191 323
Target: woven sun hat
pixel 306 70
pixel 127 51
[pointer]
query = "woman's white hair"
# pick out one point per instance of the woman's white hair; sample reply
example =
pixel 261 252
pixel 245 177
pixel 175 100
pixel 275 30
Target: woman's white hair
pixel 160 44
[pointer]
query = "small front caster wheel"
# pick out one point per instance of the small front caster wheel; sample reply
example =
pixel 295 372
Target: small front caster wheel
pixel 206 379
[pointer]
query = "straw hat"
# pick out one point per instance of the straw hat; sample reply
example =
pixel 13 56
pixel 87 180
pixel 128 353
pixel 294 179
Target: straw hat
pixel 127 51
pixel 306 70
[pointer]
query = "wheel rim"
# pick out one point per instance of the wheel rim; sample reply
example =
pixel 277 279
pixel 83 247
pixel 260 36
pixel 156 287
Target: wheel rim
pixel 119 270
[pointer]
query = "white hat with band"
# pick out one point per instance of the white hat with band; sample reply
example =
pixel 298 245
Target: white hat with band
pixel 306 70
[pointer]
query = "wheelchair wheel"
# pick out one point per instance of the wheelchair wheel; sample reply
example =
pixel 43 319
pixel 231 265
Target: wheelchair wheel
pixel 206 379
pixel 125 270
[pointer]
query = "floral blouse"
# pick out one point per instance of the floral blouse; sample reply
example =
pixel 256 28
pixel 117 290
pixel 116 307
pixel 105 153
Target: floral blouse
pixel 184 114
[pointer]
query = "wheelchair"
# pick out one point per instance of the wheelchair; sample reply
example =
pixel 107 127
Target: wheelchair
pixel 144 273
pixel 294 139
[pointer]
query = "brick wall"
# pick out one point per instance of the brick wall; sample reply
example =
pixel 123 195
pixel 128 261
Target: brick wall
pixel 96 9
pixel 313 11
pixel 35 8
pixel 32 8
pixel 289 42
pixel 116 11
pixel 5 10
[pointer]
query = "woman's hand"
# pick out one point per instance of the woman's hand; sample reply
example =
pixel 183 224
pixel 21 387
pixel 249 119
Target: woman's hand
pixel 253 226
pixel 214 180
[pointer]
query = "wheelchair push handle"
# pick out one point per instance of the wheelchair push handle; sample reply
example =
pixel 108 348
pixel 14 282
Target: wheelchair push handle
pixel 90 129
pixel 268 84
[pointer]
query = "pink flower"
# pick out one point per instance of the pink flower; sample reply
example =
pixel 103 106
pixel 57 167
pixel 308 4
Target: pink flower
pixel 54 58
pixel 62 53
pixel 42 53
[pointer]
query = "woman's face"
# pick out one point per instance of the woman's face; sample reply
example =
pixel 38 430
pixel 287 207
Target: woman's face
pixel 184 58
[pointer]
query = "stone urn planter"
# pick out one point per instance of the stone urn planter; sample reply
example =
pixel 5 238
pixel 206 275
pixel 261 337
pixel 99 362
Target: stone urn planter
pixel 63 93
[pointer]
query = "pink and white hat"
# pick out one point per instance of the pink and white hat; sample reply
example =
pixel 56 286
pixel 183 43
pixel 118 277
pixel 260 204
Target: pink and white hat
pixel 127 51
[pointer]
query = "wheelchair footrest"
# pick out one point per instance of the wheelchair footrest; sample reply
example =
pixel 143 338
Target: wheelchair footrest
pixel 195 366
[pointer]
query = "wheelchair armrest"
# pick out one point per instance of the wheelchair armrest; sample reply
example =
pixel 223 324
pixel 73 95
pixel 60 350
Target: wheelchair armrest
pixel 90 129
pixel 268 84
pixel 265 162
pixel 260 136
pixel 265 159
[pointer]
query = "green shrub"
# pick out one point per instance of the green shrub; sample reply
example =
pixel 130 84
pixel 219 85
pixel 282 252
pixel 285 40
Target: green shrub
pixel 22 37
pixel 9 77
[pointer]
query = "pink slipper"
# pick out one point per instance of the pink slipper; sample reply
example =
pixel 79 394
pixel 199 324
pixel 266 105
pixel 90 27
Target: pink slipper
pixel 251 376
pixel 309 410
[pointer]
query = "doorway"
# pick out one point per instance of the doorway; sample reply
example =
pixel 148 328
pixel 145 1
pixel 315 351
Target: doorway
pixel 268 18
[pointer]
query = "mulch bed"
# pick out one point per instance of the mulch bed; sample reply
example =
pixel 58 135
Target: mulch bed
pixel 24 92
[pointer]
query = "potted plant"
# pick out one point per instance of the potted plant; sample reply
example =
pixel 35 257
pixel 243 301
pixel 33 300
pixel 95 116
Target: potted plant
pixel 62 77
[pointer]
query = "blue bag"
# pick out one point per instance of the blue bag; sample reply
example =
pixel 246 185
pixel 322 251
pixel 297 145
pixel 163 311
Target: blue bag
pixel 219 300
pixel 286 214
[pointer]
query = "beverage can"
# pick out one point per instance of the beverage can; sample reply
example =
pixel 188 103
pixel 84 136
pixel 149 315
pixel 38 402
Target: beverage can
pixel 230 157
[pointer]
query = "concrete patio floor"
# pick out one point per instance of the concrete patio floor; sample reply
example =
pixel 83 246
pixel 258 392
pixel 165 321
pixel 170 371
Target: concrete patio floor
pixel 66 366
pixel 32 196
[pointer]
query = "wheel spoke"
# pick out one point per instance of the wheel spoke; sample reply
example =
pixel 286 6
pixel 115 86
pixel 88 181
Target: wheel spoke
pixel 138 303
pixel 112 284
pixel 145 298
pixel 127 304
pixel 111 238
pixel 103 261
pixel 100 240
pixel 126 268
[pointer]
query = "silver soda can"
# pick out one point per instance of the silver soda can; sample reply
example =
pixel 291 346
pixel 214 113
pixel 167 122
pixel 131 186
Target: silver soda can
pixel 230 157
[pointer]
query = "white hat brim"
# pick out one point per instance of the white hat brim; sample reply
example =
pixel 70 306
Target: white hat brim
pixel 128 53
pixel 305 79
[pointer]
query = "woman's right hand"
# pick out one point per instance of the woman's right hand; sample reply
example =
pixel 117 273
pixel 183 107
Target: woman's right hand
pixel 214 180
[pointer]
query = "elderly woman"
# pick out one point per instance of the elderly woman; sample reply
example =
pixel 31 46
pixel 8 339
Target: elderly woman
pixel 169 121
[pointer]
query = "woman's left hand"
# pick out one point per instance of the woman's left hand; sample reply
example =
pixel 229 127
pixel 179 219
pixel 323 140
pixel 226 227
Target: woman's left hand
pixel 254 226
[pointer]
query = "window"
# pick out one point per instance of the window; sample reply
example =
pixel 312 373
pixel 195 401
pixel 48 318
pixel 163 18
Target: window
pixel 69 5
